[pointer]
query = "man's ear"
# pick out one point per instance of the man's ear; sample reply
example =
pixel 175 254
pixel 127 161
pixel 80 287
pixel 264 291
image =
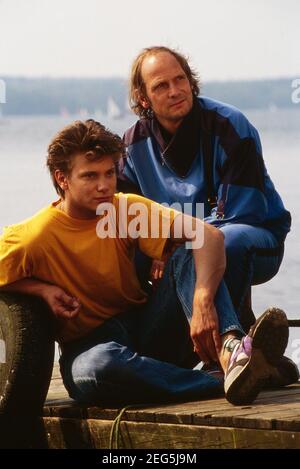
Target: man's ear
pixel 144 102
pixel 61 179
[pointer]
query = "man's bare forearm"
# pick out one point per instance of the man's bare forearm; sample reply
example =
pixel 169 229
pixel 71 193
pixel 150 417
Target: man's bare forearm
pixel 61 303
pixel 28 286
pixel 210 263
pixel 207 243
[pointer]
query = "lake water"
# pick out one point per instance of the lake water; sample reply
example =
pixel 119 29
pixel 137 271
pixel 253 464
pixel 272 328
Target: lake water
pixel 25 187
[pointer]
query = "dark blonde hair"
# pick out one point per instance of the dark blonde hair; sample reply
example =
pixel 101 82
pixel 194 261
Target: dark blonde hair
pixel 88 137
pixel 138 87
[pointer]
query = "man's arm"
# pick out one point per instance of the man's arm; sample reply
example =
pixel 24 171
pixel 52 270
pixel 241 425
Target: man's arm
pixel 210 263
pixel 241 194
pixel 61 303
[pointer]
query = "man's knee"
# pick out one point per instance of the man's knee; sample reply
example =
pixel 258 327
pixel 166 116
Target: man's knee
pixel 100 359
pixel 236 243
pixel 92 373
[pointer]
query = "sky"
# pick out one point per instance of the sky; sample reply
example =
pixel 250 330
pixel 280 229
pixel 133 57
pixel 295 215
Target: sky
pixel 224 39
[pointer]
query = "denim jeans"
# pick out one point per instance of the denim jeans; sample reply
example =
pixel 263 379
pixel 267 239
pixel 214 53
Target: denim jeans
pixel 253 257
pixel 146 355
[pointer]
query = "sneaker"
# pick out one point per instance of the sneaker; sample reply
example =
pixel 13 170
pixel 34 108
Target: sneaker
pixel 285 373
pixel 253 359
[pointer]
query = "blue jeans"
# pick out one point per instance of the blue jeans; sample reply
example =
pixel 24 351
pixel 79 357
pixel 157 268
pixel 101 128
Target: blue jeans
pixel 146 355
pixel 253 257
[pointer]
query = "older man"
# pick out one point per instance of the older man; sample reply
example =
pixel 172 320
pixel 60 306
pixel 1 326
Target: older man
pixel 190 149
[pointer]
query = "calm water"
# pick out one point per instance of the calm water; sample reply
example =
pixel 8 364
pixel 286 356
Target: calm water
pixel 25 187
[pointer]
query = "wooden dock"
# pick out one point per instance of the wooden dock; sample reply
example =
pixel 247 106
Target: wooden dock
pixel 272 421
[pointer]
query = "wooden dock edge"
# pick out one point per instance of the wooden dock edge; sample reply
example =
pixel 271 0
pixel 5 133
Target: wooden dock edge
pixel 91 433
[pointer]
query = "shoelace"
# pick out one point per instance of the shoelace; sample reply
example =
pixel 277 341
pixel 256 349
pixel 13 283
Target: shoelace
pixel 230 343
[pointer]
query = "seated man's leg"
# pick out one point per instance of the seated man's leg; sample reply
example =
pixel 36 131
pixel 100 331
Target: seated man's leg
pixel 164 331
pixel 184 278
pixel 249 362
pixel 253 257
pixel 109 370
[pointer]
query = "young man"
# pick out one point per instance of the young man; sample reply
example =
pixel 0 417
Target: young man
pixel 117 344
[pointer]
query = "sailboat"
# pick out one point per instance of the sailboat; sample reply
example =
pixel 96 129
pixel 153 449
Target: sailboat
pixel 113 111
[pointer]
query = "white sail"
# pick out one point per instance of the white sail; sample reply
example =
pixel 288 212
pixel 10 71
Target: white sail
pixel 113 110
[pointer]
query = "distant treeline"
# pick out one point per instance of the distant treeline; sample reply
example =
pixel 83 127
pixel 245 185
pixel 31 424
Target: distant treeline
pixel 36 96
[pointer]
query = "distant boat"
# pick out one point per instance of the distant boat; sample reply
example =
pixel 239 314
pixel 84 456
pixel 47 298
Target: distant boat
pixel 113 111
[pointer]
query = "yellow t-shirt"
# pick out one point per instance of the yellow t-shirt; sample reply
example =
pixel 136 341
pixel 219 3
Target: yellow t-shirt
pixel 68 252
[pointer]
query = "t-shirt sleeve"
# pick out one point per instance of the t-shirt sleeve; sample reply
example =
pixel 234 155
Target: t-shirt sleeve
pixel 150 223
pixel 15 263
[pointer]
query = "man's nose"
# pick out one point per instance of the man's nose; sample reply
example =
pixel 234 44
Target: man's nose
pixel 173 89
pixel 102 185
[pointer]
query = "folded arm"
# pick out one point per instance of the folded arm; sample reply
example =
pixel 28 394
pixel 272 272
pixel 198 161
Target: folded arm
pixel 61 303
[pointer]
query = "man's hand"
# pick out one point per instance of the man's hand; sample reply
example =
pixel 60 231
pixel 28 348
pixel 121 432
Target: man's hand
pixel 204 329
pixel 157 270
pixel 61 303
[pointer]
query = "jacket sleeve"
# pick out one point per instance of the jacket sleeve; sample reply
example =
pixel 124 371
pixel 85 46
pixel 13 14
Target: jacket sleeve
pixel 241 193
pixel 126 178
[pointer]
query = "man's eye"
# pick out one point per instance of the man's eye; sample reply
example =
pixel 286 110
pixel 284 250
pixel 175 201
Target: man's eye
pixel 112 172
pixel 161 86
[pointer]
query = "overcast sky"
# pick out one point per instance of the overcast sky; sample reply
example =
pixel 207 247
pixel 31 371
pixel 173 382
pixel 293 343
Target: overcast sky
pixel 225 39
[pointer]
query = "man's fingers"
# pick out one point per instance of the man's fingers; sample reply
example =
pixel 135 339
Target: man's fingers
pixel 66 306
pixel 72 313
pixel 157 269
pixel 201 353
pixel 60 310
pixel 210 348
pixel 64 312
pixel 69 301
pixel 206 346
pixel 155 274
pixel 217 341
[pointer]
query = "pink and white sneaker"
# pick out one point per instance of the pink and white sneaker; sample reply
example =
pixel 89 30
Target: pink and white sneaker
pixel 255 358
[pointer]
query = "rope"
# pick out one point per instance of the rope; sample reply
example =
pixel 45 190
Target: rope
pixel 115 432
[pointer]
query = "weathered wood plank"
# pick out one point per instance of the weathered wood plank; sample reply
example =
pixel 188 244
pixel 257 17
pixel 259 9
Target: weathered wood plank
pixel 273 410
pixel 263 420
pixel 291 423
pixel 71 433
pixel 67 433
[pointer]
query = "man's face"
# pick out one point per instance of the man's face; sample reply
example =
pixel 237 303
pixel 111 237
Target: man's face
pixel 168 89
pixel 88 184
